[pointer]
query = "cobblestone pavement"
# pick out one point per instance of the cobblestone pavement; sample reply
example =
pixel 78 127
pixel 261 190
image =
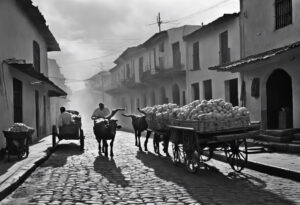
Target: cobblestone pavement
pixel 134 177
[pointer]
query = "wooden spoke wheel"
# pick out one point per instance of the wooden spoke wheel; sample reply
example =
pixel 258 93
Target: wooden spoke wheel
pixel 81 140
pixel 237 155
pixel 24 153
pixel 192 161
pixel 54 133
pixel 178 154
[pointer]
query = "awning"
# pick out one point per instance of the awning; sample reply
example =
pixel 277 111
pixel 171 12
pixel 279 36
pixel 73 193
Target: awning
pixel 234 66
pixel 28 69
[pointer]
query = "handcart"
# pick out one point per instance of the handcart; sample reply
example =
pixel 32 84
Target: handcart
pixel 71 131
pixel 17 143
pixel 192 148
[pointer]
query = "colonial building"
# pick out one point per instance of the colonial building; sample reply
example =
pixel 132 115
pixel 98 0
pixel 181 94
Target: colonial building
pixel 25 88
pixel 216 43
pixel 270 61
pixel 151 73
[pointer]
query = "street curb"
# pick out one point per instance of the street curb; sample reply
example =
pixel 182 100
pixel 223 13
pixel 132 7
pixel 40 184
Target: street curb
pixel 12 186
pixel 265 168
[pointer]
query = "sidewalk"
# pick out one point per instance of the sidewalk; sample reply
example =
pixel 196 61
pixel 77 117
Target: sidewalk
pixel 277 164
pixel 13 173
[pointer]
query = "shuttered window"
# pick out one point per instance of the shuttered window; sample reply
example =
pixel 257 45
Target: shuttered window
pixel 224 50
pixel 196 60
pixel 207 87
pixel 36 56
pixel 283 13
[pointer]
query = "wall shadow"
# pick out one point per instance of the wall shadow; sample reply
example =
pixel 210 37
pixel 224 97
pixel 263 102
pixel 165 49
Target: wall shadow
pixel 110 171
pixel 209 185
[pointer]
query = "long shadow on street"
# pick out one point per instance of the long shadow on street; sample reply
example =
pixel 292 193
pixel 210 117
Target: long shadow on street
pixel 110 171
pixel 211 186
pixel 62 152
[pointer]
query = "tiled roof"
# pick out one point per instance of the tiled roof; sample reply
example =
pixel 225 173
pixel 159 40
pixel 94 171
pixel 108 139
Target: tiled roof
pixel 204 28
pixel 28 69
pixel 233 66
pixel 38 20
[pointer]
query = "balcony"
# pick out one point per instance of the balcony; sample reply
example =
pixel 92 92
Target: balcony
pixel 114 88
pixel 163 73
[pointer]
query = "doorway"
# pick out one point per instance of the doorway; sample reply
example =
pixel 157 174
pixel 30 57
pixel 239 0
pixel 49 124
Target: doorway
pixel 231 91
pixel 37 113
pixel 176 94
pixel 18 100
pixel 279 100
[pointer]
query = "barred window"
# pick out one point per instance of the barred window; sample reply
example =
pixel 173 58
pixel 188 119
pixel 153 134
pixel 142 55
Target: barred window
pixel 283 13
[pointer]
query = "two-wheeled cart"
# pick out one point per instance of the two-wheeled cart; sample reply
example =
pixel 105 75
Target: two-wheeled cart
pixel 71 131
pixel 192 148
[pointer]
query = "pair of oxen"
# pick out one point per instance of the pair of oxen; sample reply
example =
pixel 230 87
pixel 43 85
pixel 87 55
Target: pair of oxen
pixel 105 129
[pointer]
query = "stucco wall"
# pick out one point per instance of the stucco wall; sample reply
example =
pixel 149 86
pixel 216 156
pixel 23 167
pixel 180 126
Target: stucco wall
pixel 258 19
pixel 263 71
pixel 17 34
pixel 209 56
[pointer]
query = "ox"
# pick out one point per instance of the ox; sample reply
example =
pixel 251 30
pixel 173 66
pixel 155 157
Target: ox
pixel 105 129
pixel 139 124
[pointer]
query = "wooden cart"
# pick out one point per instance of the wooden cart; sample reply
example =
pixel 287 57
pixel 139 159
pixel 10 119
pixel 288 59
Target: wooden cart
pixel 193 148
pixel 72 131
pixel 17 143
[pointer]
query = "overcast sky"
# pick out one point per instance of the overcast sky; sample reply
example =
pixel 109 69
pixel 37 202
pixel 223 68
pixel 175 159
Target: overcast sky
pixel 93 33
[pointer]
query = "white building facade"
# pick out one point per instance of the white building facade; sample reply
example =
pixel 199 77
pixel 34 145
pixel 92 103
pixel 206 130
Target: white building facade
pixel 269 64
pixel 24 86
pixel 213 44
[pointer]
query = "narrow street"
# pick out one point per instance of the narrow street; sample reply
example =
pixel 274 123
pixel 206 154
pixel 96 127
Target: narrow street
pixel 133 177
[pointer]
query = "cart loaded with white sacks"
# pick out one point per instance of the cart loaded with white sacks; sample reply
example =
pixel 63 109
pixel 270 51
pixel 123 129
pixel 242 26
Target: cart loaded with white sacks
pixel 198 129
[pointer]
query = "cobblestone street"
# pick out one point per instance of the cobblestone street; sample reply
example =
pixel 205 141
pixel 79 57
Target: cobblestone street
pixel 133 177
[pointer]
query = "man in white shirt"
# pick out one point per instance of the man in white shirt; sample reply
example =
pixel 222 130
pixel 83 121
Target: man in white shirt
pixel 64 118
pixel 100 112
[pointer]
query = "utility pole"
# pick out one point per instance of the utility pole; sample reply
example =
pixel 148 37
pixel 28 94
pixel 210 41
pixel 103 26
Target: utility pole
pixel 159 22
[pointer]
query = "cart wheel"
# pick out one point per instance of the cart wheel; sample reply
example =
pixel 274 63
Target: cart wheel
pixel 192 161
pixel 178 154
pixel 237 155
pixel 81 140
pixel 54 133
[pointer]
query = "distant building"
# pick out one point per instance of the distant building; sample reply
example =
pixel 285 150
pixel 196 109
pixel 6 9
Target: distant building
pixel 25 88
pixel 151 73
pixel 59 79
pixel 216 43
pixel 270 61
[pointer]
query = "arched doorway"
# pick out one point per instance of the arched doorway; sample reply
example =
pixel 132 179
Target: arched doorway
pixel 152 98
pixel 176 94
pixel 279 100
pixel 163 97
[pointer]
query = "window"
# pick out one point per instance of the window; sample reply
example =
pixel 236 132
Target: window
pixel 132 105
pixel 224 50
pixel 195 91
pixel 207 87
pixel 183 98
pixel 161 47
pixel 36 56
pixel 161 62
pixel 127 71
pixel 141 66
pixel 283 13
pixel 176 55
pixel 18 100
pixel 145 100
pixel 196 60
